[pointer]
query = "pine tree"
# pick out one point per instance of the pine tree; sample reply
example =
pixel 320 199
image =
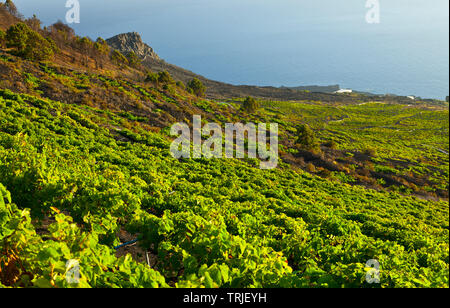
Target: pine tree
pixel 306 138
pixel 250 105
pixel 195 86
pixel 2 39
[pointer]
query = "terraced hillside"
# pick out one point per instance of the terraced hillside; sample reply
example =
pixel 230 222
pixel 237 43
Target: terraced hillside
pixel 86 178
pixel 85 166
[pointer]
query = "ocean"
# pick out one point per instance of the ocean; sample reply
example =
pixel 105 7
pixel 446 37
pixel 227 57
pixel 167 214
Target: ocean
pixel 283 42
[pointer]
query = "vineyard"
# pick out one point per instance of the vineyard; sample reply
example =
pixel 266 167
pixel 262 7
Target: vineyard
pixel 87 182
pixel 74 177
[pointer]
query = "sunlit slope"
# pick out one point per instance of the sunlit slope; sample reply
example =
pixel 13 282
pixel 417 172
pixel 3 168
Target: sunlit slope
pixel 206 222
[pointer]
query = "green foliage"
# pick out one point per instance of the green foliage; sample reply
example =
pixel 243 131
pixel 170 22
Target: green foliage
pixel 118 58
pixel 84 43
pixel 133 59
pixel 28 43
pixel 250 105
pixel 209 223
pixel 17 37
pixel 152 77
pixel 306 137
pixel 160 78
pixel 213 223
pixel 331 144
pixel 181 85
pixel 11 8
pixel 34 23
pixel 62 33
pixel 2 39
pixel 369 151
pixel 101 46
pixel 196 87
pixel 52 45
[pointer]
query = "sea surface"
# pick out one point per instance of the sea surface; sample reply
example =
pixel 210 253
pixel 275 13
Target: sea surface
pixel 283 42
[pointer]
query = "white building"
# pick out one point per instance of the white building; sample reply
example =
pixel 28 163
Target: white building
pixel 340 91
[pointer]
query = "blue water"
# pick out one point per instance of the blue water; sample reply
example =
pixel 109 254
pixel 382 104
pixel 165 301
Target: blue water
pixel 283 42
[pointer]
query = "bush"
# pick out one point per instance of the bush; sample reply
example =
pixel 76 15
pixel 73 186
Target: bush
pixel 11 8
pixel 133 59
pixel 181 85
pixel 165 78
pixel 118 58
pixel 61 33
pixel 34 23
pixel 101 46
pixel 84 44
pixel 331 144
pixel 250 105
pixel 2 39
pixel 101 52
pixel 28 43
pixel 311 168
pixel 196 87
pixel 153 78
pixel 306 138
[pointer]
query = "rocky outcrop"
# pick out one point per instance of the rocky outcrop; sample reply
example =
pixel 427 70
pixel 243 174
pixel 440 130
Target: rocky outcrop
pixel 132 42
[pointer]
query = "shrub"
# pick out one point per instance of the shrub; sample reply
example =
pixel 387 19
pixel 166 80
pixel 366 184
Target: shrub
pixel 61 33
pixel 84 44
pixel 2 39
pixel 331 144
pixel 306 138
pixel 250 105
pixel 311 168
pixel 28 43
pixel 133 59
pixel 196 87
pixel 165 78
pixel 101 46
pixel 181 85
pixel 153 78
pixel 118 58
pixel 370 152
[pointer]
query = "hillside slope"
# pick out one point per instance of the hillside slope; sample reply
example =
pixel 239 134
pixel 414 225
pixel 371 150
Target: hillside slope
pixel 213 223
pixel 85 166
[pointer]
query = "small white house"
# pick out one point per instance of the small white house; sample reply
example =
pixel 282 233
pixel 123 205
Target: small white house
pixel 341 91
pixel 411 97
